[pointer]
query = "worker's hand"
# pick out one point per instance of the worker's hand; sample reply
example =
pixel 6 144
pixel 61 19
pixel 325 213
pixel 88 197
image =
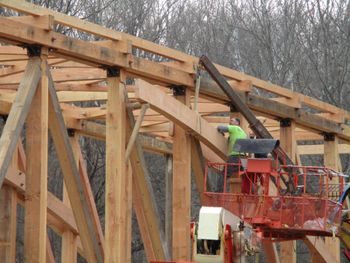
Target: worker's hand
pixel 220 130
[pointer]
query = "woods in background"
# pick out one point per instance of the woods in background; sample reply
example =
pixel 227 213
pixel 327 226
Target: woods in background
pixel 298 44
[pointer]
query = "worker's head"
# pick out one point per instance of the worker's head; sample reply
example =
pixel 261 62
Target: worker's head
pixel 235 121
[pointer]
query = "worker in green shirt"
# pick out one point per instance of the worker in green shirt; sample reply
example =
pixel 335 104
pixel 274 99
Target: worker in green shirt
pixel 235 132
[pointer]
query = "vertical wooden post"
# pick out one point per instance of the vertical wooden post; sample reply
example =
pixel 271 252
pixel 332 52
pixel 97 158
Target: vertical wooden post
pixel 36 174
pixel 116 183
pixel 129 197
pixel 168 199
pixel 181 243
pixel 8 208
pixel 288 144
pixel 331 160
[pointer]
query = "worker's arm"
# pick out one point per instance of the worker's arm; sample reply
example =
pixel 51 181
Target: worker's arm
pixel 222 128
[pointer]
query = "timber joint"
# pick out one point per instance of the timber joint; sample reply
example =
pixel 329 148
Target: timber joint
pixel 113 71
pixel 329 137
pixel 285 122
pixel 71 132
pixel 178 90
pixel 33 50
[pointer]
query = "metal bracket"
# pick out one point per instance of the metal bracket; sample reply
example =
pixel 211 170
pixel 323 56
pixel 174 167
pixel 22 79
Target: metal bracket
pixel 33 50
pixel 71 132
pixel 178 90
pixel 285 122
pixel 113 71
pixel 329 137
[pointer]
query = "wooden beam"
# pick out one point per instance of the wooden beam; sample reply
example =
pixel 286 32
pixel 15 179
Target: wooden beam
pixel 88 235
pixel 87 189
pixel 319 149
pixel 187 119
pixel 168 230
pixel 275 109
pixel 331 157
pixel 135 131
pixel 319 252
pixel 95 29
pixel 50 258
pixel 8 208
pixel 18 113
pixel 69 250
pixel 288 144
pixel 198 166
pixel 116 180
pixel 270 252
pixel 181 243
pixel 90 53
pixel 36 171
pixel 144 202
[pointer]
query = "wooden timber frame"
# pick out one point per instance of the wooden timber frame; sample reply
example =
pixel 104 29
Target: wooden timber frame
pixel 44 74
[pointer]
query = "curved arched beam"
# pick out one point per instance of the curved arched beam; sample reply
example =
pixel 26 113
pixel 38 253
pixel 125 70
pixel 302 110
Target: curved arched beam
pixel 183 116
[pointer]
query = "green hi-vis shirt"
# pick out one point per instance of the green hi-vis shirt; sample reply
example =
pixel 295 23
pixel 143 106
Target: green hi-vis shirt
pixel 235 133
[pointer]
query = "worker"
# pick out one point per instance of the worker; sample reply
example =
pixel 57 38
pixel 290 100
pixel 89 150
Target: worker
pixel 235 132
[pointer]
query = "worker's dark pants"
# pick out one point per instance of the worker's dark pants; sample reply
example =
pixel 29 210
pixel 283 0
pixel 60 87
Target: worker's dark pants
pixel 232 170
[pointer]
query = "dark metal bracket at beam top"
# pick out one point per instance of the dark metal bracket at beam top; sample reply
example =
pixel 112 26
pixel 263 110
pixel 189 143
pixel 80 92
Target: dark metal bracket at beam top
pixel 178 90
pixel 285 122
pixel 33 50
pixel 112 71
pixel 329 137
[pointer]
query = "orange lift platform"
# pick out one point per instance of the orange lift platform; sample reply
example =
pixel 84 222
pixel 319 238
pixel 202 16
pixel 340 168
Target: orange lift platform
pixel 281 202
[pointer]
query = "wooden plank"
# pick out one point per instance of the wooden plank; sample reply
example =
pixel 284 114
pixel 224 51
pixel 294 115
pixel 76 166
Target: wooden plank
pixel 69 248
pixel 319 252
pixel 145 204
pixel 116 181
pixel 331 156
pixel 181 199
pixel 36 171
pixel 135 131
pixel 183 116
pixel 8 208
pixel 319 149
pixel 45 22
pixel 270 252
pixel 18 113
pixel 88 190
pixel 129 196
pixel 72 179
pixel 288 143
pixel 168 230
pixel 50 258
pixel 198 166
pixel 35 216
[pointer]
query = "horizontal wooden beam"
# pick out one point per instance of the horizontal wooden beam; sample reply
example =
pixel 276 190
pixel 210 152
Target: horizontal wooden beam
pixel 90 53
pixel 280 111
